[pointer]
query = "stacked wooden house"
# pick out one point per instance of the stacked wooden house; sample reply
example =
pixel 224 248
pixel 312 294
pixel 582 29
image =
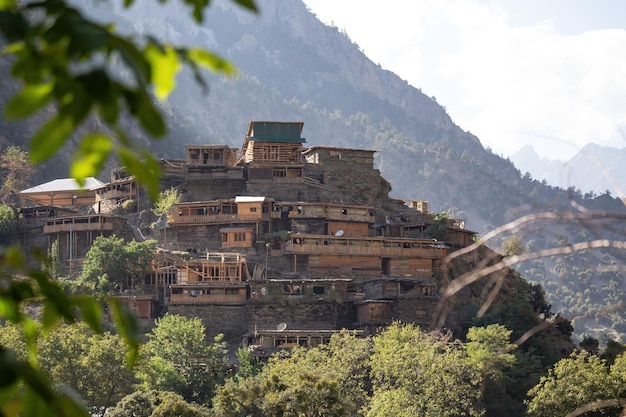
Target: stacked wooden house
pixel 279 238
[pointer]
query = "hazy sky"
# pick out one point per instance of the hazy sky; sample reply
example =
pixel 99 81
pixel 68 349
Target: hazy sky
pixel 551 73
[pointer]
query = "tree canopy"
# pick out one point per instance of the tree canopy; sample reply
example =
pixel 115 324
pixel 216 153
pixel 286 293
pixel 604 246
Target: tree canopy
pixel 178 358
pixel 113 264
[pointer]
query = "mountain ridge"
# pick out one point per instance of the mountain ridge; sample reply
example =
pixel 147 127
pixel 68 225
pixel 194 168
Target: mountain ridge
pixel 594 169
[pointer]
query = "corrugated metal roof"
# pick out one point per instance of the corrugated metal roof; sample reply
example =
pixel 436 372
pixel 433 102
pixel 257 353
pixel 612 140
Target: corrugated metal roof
pixel 64 184
pixel 248 199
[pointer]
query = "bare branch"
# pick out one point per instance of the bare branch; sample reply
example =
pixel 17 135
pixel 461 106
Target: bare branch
pixel 616 402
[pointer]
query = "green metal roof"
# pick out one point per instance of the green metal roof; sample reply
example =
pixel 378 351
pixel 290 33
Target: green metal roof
pixel 283 132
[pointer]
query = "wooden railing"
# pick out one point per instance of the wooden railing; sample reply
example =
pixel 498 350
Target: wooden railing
pixel 216 218
pixel 319 212
pixel 93 223
pixel 376 246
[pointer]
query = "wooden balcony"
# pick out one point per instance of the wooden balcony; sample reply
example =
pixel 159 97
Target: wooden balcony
pixel 177 220
pixel 323 211
pixel 78 224
pixel 363 246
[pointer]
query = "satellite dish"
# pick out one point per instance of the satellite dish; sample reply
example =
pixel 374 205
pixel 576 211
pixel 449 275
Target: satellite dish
pixel 281 327
pixel 339 233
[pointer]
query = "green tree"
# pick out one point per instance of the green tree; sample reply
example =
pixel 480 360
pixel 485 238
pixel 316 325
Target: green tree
pixel 156 404
pixel 8 225
pixel 113 264
pixel 513 245
pixel 247 364
pixel 16 171
pixel 327 380
pixel 179 359
pixel 573 382
pixel 52 264
pixel 419 374
pixel 489 347
pixel 166 201
pixel 92 364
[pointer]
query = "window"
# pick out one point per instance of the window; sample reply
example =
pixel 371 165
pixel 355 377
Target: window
pixel 224 237
pixel 252 209
pixel 279 173
pixel 428 291
pixel 319 290
pixel 240 237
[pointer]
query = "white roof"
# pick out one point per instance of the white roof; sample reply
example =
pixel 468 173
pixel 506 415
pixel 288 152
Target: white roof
pixel 247 199
pixel 64 184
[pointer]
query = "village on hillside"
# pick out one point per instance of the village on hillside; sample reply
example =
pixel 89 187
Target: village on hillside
pixel 274 244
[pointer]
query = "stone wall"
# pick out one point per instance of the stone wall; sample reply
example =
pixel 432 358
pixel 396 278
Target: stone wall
pixel 231 320
pixel 301 314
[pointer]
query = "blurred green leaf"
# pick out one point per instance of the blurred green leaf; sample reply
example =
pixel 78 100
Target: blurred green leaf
pixel 29 100
pixel 85 37
pixel 50 138
pixel 108 104
pixel 248 4
pixel 149 117
pixel 12 24
pixel 133 58
pixel 91 312
pixel 91 155
pixel 31 332
pixel 126 323
pixel 14 257
pixel 211 61
pixel 56 302
pixel 9 309
pixel 165 66
pixel 147 171
pixel 10 368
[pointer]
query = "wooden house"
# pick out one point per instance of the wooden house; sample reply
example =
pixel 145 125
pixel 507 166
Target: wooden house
pixel 216 279
pixel 75 234
pixel 336 219
pixel 210 155
pixel 369 255
pixel 143 306
pixel 110 196
pixel 240 209
pixel 346 158
pixel 66 192
pixel 237 237
pixel 264 343
pixel 272 152
pixel 335 289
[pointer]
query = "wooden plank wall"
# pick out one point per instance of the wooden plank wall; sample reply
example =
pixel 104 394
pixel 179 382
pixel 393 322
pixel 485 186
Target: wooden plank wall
pixel 329 263
pixel 415 267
